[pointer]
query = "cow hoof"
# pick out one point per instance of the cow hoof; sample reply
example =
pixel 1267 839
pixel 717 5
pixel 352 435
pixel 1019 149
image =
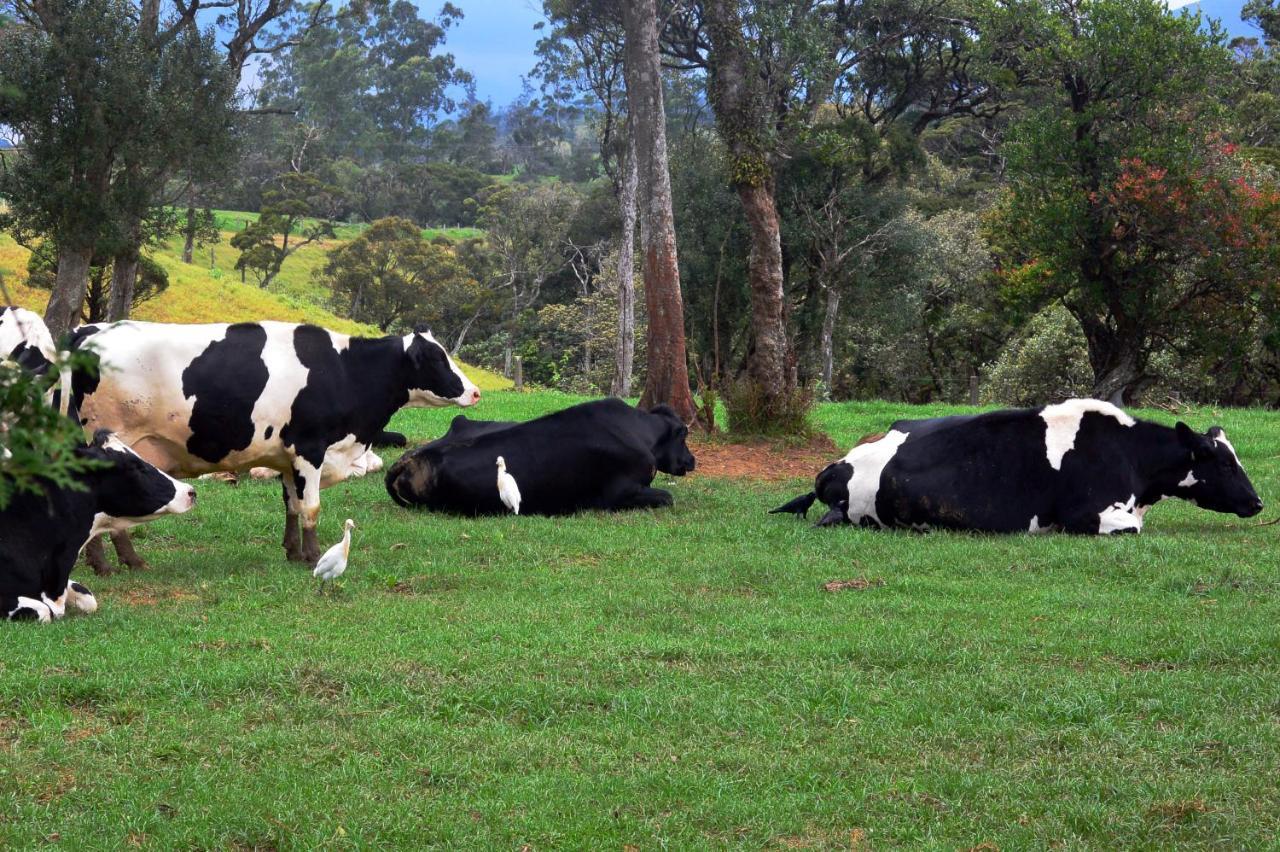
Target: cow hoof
pixel 104 569
pixel 296 556
pixel 138 564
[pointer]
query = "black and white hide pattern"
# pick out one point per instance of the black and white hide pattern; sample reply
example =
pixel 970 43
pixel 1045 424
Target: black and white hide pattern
pixel 25 340
pixel 1081 466
pixel 597 455
pixel 41 534
pixel 307 402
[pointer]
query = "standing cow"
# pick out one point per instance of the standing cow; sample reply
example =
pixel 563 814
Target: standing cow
pixel 1082 466
pixel 41 533
pixel 194 399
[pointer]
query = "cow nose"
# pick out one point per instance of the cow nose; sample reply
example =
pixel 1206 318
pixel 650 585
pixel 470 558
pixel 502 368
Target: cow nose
pixel 191 496
pixel 475 395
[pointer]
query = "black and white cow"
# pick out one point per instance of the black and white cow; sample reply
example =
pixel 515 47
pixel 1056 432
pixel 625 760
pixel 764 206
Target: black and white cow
pixel 597 455
pixel 25 340
pixel 1082 466
pixel 41 534
pixel 195 399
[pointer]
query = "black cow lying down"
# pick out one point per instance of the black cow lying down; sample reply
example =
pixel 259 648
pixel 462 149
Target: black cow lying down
pixel 42 534
pixel 597 455
pixel 1082 466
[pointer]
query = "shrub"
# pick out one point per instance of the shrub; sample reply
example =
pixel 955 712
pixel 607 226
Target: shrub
pixel 1046 362
pixel 750 415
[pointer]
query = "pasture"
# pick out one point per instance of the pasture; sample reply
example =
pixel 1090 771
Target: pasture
pixel 659 679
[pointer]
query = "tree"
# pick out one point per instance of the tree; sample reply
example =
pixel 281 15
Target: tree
pixel 1130 128
pixel 151 280
pixel 585 52
pixel 391 277
pixel 95 86
pixel 294 215
pixel 526 227
pixel 667 373
pixel 770 68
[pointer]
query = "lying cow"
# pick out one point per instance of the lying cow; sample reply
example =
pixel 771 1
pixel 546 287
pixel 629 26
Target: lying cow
pixel 41 534
pixel 194 399
pixel 1082 466
pixel 597 455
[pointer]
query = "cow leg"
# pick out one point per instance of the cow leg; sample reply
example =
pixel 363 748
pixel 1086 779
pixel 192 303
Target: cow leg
pixel 125 553
pixel 80 598
pixel 96 555
pixel 292 506
pixel 25 609
pixel 307 485
pixel 643 497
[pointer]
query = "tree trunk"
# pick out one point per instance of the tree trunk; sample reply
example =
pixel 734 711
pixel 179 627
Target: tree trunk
pixel 67 299
pixel 462 335
pixel 767 366
pixel 1116 359
pixel 741 111
pixel 124 275
pixel 828 336
pixel 667 374
pixel 189 243
pixel 625 347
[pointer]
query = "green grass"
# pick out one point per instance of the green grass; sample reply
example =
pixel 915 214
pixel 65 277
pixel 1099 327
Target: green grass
pixel 234 220
pixel 660 679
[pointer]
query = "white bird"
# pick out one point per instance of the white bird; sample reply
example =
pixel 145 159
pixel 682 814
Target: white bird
pixel 507 488
pixel 334 560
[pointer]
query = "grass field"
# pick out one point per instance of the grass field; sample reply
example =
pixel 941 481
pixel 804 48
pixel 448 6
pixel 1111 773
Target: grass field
pixel 670 679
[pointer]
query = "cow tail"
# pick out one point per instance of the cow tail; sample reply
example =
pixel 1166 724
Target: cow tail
pixel 64 386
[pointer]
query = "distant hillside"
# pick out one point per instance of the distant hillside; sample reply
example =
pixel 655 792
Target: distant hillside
pixel 199 294
pixel 1228 13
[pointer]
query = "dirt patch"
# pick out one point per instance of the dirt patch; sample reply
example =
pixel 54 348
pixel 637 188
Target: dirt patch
pixel 149 596
pixel 857 584
pixel 767 461
pixel 1176 812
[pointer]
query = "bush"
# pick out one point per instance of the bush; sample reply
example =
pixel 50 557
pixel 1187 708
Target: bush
pixel 1046 362
pixel 750 415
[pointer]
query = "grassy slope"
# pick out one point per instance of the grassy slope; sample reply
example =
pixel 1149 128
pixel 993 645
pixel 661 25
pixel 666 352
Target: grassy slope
pixel 199 294
pixel 673 678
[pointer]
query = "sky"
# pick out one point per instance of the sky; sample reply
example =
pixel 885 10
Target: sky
pixel 494 42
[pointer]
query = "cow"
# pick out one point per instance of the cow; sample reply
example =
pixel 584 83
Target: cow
pixel 1081 466
pixel 302 400
pixel 25 340
pixel 42 532
pixel 597 455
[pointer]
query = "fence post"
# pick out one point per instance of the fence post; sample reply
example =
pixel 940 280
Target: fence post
pixel 212 263
pixel 973 389
pixel 519 373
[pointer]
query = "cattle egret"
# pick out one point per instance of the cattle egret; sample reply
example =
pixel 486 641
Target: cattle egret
pixel 507 488
pixel 334 560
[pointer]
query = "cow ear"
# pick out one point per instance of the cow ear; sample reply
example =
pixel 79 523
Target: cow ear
pixel 100 437
pixel 1196 443
pixel 422 328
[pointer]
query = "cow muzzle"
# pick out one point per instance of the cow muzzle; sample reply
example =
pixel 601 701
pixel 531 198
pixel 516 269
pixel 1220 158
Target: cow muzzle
pixel 183 501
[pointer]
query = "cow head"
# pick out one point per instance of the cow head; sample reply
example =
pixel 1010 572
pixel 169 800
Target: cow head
pixel 128 488
pixel 1216 480
pixel 670 451
pixel 433 379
